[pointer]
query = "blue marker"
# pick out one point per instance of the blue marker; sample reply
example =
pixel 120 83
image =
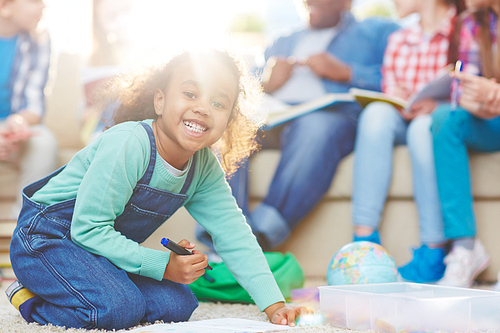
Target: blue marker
pixel 177 249
pixel 454 86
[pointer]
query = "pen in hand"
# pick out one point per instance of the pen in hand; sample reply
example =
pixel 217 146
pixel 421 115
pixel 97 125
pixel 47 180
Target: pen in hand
pixel 177 249
pixel 454 96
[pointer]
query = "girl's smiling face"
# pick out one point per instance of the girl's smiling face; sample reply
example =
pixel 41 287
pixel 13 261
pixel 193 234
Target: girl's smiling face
pixel 194 110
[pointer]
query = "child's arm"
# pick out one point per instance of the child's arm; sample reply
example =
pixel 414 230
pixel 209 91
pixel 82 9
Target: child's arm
pixel 213 206
pixel 369 75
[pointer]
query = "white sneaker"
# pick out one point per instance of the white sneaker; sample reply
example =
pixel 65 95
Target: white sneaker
pixel 496 287
pixel 463 266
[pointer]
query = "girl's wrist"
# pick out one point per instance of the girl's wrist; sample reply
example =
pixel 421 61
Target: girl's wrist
pixel 271 309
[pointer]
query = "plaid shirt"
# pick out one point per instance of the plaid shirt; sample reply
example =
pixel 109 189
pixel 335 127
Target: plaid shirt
pixel 30 73
pixel 412 59
pixel 469 43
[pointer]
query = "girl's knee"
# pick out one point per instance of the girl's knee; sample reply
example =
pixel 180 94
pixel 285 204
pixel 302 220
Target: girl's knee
pixel 183 306
pixel 378 116
pixel 120 310
pixel 189 307
pixel 419 130
pixel 446 119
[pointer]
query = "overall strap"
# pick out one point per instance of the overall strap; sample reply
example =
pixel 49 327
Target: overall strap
pixel 151 166
pixel 152 160
pixel 189 177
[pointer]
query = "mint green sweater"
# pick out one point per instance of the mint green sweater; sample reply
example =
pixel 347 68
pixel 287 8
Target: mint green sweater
pixel 102 177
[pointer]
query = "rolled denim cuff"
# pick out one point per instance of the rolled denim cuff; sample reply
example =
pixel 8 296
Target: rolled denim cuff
pixel 268 221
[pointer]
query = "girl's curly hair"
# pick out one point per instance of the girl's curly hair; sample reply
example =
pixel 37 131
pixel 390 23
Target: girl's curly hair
pixel 134 94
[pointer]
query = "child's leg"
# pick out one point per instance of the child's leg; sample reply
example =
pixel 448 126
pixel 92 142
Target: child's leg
pixel 419 141
pixel 453 133
pixel 165 300
pixel 79 289
pixel 380 127
pixel 427 264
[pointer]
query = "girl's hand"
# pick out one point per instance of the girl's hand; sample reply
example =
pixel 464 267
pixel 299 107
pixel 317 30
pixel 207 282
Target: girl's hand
pixel 401 92
pixel 422 107
pixel 493 96
pixel 186 269
pixel 9 143
pixel 17 128
pixel 279 313
pixel 5 146
pixel 480 96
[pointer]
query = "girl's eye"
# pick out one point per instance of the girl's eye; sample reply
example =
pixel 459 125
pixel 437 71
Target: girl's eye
pixel 190 94
pixel 218 105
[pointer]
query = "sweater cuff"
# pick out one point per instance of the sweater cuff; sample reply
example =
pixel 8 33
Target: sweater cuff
pixel 357 79
pixel 265 292
pixel 154 263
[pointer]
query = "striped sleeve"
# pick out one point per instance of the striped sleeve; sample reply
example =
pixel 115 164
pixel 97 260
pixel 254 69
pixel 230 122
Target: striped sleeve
pixel 31 74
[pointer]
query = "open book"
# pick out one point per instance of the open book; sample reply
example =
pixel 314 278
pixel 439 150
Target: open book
pixel 277 112
pixel 439 88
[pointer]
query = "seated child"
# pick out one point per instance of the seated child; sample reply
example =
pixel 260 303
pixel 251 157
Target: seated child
pixel 414 56
pixel 25 54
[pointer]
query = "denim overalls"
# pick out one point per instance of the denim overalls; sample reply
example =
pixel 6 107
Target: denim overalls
pixel 82 290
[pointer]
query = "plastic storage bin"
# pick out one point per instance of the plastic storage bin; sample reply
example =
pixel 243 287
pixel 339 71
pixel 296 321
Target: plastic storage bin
pixel 410 307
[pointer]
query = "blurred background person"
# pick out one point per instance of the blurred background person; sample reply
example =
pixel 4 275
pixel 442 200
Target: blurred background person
pixel 472 125
pixel 414 56
pixel 25 53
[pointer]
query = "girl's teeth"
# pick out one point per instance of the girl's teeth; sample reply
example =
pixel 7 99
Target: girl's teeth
pixel 195 127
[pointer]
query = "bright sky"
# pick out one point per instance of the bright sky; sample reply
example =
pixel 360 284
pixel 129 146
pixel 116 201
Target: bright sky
pixel 153 22
pixel 163 24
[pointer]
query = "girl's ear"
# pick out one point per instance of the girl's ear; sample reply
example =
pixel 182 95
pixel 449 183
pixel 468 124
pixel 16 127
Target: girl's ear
pixel 159 100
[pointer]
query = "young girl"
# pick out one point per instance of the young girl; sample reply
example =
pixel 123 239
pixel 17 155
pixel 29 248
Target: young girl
pixel 76 247
pixel 474 125
pixel 413 57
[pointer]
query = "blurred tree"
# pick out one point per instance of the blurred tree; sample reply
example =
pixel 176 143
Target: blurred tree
pixel 374 8
pixel 247 23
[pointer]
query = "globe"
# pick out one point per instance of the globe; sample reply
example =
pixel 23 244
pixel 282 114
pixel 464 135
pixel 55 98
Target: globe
pixel 361 263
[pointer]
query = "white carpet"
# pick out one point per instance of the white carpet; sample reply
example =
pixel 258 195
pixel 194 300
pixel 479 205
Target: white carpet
pixel 12 322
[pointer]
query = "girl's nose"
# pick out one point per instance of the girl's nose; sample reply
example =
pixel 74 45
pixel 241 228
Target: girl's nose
pixel 201 108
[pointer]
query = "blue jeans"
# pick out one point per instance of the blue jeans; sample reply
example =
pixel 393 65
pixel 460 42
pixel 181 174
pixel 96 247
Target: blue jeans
pixel 83 290
pixel 311 149
pixel 380 128
pixel 454 132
